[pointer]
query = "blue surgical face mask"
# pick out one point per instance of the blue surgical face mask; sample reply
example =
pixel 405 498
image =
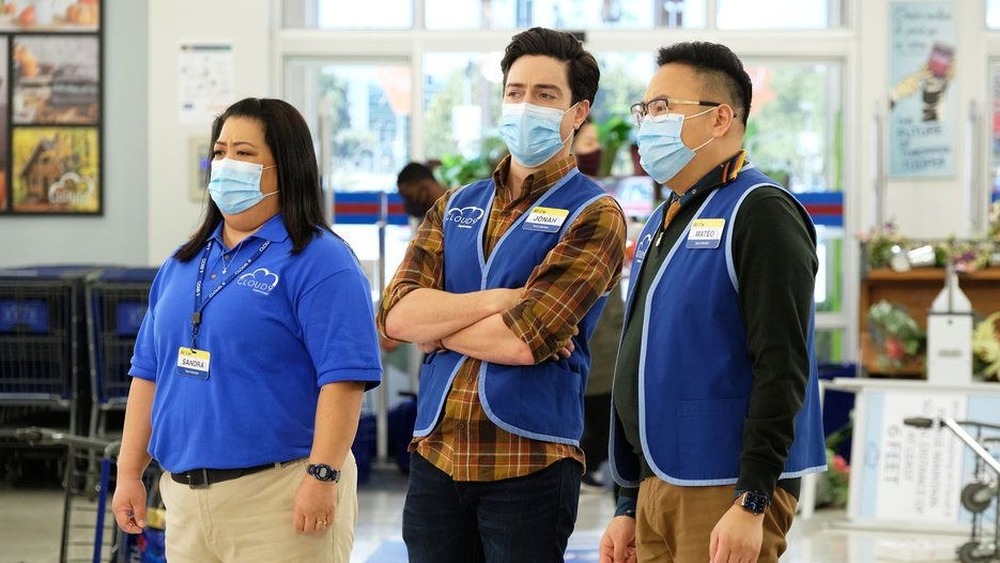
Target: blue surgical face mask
pixel 531 132
pixel 662 154
pixel 235 185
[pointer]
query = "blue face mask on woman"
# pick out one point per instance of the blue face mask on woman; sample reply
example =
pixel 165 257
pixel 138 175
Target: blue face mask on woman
pixel 235 185
pixel 662 154
pixel 531 132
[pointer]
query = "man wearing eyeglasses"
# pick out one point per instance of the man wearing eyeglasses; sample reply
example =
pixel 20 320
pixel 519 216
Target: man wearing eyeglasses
pixel 715 399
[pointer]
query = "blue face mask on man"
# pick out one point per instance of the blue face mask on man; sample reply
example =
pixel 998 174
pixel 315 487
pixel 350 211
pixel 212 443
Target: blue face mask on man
pixel 531 132
pixel 662 154
pixel 235 185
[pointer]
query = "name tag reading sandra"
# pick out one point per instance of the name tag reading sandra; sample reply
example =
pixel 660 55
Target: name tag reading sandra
pixel 705 233
pixel 545 219
pixel 193 363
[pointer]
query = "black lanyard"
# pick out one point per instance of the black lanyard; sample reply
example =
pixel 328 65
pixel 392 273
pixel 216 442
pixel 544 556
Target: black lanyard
pixel 199 305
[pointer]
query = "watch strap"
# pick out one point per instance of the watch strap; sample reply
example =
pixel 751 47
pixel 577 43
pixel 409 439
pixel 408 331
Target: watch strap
pixel 323 472
pixel 754 502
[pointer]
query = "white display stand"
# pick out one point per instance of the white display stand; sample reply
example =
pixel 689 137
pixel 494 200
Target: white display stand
pixel 909 478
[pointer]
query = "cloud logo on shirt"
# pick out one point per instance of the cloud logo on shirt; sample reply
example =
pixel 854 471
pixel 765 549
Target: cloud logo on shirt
pixel 260 280
pixel 464 217
pixel 642 247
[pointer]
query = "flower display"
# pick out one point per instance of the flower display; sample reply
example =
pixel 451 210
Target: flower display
pixel 965 255
pixel 896 336
pixel 833 490
pixel 986 347
pixel 880 243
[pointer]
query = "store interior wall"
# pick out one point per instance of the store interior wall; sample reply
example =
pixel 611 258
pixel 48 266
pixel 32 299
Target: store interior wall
pixel 121 234
pixel 245 24
pixel 933 208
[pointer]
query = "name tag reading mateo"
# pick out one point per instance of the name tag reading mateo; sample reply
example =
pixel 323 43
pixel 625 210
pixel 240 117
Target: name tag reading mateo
pixel 705 233
pixel 545 219
pixel 193 362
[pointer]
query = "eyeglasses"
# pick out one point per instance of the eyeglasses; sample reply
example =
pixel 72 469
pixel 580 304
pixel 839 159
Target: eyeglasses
pixel 660 106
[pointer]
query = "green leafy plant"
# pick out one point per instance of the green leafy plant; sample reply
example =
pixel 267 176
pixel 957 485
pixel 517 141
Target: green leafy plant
pixel 986 347
pixel 456 170
pixel 833 490
pixel 896 336
pixel 880 242
pixel 612 134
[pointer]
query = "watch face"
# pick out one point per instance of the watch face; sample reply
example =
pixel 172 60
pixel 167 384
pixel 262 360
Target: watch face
pixel 323 472
pixel 754 502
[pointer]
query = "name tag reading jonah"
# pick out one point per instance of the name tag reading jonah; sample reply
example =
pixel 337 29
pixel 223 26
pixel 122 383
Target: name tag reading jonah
pixel 193 362
pixel 705 233
pixel 545 219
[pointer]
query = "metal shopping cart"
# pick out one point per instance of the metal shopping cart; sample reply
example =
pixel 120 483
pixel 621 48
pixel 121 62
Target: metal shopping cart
pixel 40 309
pixel 980 493
pixel 89 532
pixel 41 353
pixel 116 301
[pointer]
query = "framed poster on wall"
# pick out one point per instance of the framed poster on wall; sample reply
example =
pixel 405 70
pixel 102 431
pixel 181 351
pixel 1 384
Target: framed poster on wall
pixel 51 114
pixel 923 103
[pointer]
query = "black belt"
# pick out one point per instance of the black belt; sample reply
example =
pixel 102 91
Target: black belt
pixel 202 478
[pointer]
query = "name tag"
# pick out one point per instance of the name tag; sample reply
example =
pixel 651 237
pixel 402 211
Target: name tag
pixel 546 219
pixel 705 233
pixel 193 363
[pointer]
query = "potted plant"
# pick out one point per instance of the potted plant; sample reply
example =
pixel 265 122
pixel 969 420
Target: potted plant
pixel 612 133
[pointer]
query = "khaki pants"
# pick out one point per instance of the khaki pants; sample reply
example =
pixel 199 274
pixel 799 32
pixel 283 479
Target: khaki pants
pixel 674 524
pixel 250 519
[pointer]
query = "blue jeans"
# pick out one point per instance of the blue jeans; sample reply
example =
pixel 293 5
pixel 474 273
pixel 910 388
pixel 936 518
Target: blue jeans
pixel 523 520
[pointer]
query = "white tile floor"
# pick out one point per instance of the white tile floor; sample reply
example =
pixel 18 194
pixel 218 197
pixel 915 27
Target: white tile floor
pixel 31 522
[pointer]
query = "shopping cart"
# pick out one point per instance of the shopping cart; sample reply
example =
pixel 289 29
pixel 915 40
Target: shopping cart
pixel 39 313
pixel 89 532
pixel 980 493
pixel 116 301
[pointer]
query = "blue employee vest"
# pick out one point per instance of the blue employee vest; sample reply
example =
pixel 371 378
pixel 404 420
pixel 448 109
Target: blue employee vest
pixel 542 401
pixel 692 402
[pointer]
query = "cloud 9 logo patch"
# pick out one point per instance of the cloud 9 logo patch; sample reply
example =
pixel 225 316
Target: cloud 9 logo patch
pixel 465 217
pixel 642 247
pixel 261 281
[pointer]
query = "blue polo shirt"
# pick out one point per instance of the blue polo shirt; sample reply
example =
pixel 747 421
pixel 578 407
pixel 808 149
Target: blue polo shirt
pixel 279 330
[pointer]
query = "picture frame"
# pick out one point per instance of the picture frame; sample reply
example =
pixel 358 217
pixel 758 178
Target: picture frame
pixel 50 16
pixel 51 107
pixel 55 170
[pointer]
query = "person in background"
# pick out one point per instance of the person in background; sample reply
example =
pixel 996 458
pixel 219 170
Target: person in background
pixel 502 285
pixel 716 395
pixel 603 343
pixel 419 189
pixel 597 399
pixel 587 149
pixel 250 364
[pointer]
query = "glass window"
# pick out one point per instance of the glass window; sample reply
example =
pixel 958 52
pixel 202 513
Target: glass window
pixel 778 14
pixel 794 136
pixel 993 14
pixel 829 291
pixel 623 82
pixel 359 114
pixel 830 347
pixel 794 132
pixel 462 98
pixel 564 14
pixel 340 14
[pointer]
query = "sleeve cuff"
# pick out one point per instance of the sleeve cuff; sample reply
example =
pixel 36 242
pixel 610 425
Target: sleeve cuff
pixel 626 502
pixel 758 478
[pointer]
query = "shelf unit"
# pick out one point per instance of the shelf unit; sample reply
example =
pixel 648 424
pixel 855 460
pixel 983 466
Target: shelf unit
pixel 915 290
